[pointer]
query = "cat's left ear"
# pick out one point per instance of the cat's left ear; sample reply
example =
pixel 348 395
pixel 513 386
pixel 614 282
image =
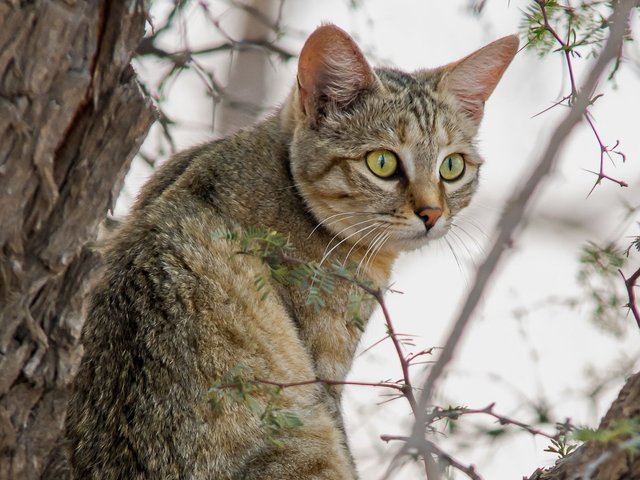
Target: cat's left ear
pixel 332 72
pixel 473 79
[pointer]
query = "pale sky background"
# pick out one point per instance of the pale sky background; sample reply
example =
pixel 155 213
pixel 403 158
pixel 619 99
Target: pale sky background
pixel 513 361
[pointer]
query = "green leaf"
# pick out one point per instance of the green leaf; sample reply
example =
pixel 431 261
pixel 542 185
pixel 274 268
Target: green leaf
pixel 289 419
pixel 255 406
pixel 496 432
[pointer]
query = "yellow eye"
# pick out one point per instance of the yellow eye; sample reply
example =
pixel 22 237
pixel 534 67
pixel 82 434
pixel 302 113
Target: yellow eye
pixel 382 163
pixel 452 167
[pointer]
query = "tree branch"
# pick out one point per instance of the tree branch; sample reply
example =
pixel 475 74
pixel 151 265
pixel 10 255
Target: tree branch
pixel 630 284
pixel 515 212
pixel 488 410
pixel 567 49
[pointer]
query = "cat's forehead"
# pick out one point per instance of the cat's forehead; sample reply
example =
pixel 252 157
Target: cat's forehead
pixel 398 81
pixel 409 111
pixel 417 109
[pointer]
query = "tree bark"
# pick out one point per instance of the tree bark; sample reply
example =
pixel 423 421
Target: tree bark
pixel 602 461
pixel 71 118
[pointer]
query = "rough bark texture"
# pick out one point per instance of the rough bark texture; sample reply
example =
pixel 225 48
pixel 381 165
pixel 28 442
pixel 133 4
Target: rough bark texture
pixel 71 118
pixel 599 461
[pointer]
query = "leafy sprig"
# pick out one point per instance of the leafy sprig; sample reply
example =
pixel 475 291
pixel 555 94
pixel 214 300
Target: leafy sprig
pixel 286 269
pixel 273 419
pixel 598 273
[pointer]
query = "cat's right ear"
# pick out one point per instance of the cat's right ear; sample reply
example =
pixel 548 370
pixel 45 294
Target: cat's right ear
pixel 473 79
pixel 332 72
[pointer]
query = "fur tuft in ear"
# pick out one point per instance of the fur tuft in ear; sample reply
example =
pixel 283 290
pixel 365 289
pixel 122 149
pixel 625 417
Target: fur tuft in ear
pixel 473 79
pixel 332 71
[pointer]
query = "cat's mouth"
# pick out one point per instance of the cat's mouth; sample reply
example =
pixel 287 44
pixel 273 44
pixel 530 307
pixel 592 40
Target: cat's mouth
pixel 412 239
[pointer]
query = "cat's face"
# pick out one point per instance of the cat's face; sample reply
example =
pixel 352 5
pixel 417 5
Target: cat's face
pixel 396 167
pixel 387 159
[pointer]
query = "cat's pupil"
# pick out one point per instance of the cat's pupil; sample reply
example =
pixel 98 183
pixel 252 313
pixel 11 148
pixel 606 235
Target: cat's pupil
pixel 381 161
pixel 450 164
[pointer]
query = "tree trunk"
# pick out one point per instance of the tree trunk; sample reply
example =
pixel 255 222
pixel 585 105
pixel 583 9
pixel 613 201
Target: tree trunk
pixel 602 461
pixel 71 118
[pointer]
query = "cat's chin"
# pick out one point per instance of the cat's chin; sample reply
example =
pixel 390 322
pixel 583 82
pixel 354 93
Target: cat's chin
pixel 414 241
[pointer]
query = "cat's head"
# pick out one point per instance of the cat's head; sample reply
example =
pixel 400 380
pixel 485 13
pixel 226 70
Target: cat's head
pixel 383 157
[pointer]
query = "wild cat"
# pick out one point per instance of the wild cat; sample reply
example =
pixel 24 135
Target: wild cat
pixel 359 162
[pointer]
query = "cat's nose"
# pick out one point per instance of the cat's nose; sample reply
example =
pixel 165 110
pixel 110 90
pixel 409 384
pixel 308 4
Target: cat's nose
pixel 429 215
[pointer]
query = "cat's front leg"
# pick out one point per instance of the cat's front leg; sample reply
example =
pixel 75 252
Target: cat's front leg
pixel 313 452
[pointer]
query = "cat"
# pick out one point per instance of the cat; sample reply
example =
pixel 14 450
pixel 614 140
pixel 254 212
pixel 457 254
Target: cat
pixel 358 165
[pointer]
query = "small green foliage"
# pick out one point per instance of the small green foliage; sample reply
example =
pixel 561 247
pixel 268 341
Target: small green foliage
pixel 354 303
pixel 599 277
pixel 284 268
pixel 224 234
pixel 634 245
pixel 314 299
pixel 607 259
pixel 274 420
pixel 218 392
pixel 618 432
pixel 579 25
pixel 562 445
pixel 262 242
pixel 261 398
pixel 533 26
pixel 451 412
pixel 496 432
pixel 624 432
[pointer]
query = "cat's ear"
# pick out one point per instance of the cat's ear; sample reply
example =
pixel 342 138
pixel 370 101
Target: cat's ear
pixel 473 79
pixel 332 71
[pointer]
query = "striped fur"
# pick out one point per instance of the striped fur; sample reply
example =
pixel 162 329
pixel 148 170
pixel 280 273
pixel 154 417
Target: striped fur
pixel 177 307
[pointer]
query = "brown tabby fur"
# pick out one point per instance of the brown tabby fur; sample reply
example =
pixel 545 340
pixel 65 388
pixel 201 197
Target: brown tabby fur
pixel 177 307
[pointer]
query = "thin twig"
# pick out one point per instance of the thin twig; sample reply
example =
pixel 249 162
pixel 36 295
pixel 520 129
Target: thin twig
pixel 565 47
pixel 181 57
pixel 630 284
pixel 432 448
pixel 568 49
pixel 488 410
pixel 604 150
pixel 302 383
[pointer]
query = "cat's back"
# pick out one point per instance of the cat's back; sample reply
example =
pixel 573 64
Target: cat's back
pixel 174 310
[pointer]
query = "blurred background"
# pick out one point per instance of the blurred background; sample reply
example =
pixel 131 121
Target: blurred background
pixel 552 339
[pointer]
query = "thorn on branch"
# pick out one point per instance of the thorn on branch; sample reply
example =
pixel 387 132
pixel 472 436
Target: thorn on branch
pixel 568 48
pixel 630 284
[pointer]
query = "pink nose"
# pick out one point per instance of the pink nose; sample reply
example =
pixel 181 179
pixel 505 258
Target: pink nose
pixel 429 216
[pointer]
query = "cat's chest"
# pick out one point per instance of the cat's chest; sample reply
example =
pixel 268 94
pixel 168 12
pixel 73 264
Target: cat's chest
pixel 331 332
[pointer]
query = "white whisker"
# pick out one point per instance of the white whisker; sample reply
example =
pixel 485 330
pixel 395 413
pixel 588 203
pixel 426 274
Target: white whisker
pixel 378 249
pixel 371 245
pixel 460 241
pixel 327 253
pixel 380 238
pixel 344 262
pixel 455 256
pixel 471 223
pixel 476 244
pixel 341 214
